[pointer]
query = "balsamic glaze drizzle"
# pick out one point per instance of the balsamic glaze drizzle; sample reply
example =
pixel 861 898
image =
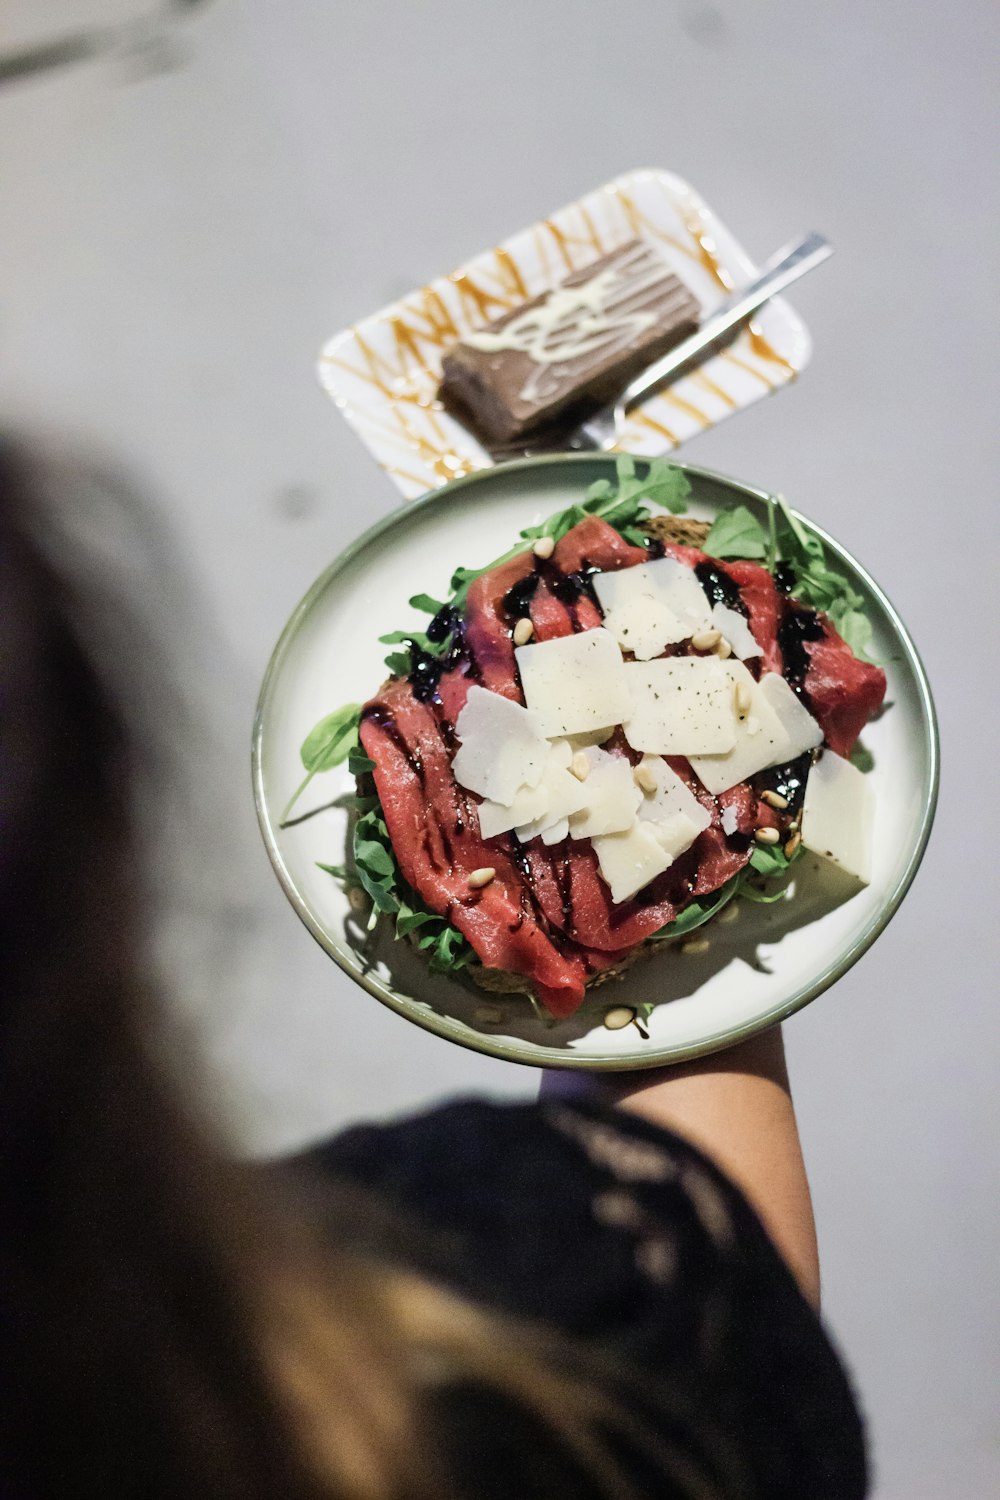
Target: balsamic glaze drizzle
pixel 720 588
pixel 789 780
pixel 515 601
pixel 797 626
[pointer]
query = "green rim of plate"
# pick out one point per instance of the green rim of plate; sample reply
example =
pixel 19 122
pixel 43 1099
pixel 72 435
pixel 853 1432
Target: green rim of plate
pixel 535 1054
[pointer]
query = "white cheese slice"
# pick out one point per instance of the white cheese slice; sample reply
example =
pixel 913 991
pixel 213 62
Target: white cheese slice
pixel 676 833
pixel 731 624
pixel 761 738
pixel 798 723
pixel 677 585
pixel 670 798
pixel 575 682
pixel 622 586
pixel 592 737
pixel 645 626
pixel 564 792
pixel 612 796
pixel 682 705
pixel 556 832
pixel 665 579
pixel 528 803
pixel 837 815
pixel 502 747
pixel 631 859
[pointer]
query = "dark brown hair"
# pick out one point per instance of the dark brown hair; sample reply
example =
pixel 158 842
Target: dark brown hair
pixel 167 1327
pixel 125 1361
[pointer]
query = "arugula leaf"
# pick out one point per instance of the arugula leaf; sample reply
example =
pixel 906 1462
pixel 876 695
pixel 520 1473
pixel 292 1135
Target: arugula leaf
pixel 769 859
pixel 623 504
pixel 398 663
pixel 397 637
pixel 699 910
pixel 375 866
pixel 426 604
pixel 772 550
pixel 332 739
pixel 358 763
pixel 736 533
pixel 862 757
pixel 855 628
pixel 463 577
pixel 816 582
pixel 326 745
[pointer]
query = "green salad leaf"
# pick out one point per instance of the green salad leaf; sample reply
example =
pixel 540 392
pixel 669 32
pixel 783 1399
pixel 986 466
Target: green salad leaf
pixel 819 584
pixel 328 744
pixel 426 604
pixel 700 910
pixel 374 866
pixel 736 533
pixel 625 503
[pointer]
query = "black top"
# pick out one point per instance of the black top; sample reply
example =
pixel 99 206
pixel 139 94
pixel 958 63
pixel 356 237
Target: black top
pixel 634 1247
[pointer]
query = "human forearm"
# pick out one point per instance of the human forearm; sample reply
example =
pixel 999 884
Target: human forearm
pixel 736 1106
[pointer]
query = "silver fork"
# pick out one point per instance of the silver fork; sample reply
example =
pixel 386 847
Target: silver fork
pixel 603 430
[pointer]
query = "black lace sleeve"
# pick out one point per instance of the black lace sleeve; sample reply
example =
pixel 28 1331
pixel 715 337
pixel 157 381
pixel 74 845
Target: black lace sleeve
pixel 630 1243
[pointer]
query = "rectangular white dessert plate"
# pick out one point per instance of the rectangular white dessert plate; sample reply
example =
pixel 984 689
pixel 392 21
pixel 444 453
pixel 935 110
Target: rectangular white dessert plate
pixel 383 373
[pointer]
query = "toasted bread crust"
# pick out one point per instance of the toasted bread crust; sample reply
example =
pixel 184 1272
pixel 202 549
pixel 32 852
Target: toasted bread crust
pixel 680 530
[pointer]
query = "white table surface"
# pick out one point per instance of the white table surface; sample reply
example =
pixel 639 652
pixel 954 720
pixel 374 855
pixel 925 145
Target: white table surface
pixel 186 218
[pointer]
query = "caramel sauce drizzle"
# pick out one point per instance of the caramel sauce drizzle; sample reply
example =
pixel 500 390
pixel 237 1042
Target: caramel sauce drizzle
pixel 741 364
pixel 688 407
pixel 424 326
pixel 704 251
pixel 641 418
pixel 700 379
pixel 511 272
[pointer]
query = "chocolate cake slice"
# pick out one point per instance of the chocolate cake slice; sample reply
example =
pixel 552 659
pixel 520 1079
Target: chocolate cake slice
pixel 574 346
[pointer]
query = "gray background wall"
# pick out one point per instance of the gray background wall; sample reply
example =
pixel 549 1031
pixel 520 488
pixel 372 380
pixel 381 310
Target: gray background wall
pixel 187 214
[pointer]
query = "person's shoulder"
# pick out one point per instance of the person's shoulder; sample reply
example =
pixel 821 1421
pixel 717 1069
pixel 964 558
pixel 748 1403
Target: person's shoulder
pixel 464 1140
pixel 625 1237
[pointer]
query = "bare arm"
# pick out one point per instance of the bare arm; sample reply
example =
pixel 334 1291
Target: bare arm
pixel 737 1107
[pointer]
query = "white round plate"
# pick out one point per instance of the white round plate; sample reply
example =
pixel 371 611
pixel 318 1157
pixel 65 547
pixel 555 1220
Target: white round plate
pixel 758 968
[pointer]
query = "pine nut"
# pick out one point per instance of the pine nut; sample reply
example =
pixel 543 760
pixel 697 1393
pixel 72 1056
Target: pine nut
pixel 618 1017
pixel 482 877
pixel 729 912
pixel 723 649
pixel 523 631
pixel 544 547
pixel 580 766
pixel 696 945
pixel 774 799
pixel 743 700
pixel 356 898
pixel 645 777
pixel 706 640
pixel 766 835
pixel 792 845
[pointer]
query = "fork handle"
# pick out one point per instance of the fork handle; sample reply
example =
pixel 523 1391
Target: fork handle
pixel 784 268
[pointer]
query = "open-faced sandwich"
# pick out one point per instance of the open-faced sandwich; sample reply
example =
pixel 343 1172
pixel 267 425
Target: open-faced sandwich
pixel 604 735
